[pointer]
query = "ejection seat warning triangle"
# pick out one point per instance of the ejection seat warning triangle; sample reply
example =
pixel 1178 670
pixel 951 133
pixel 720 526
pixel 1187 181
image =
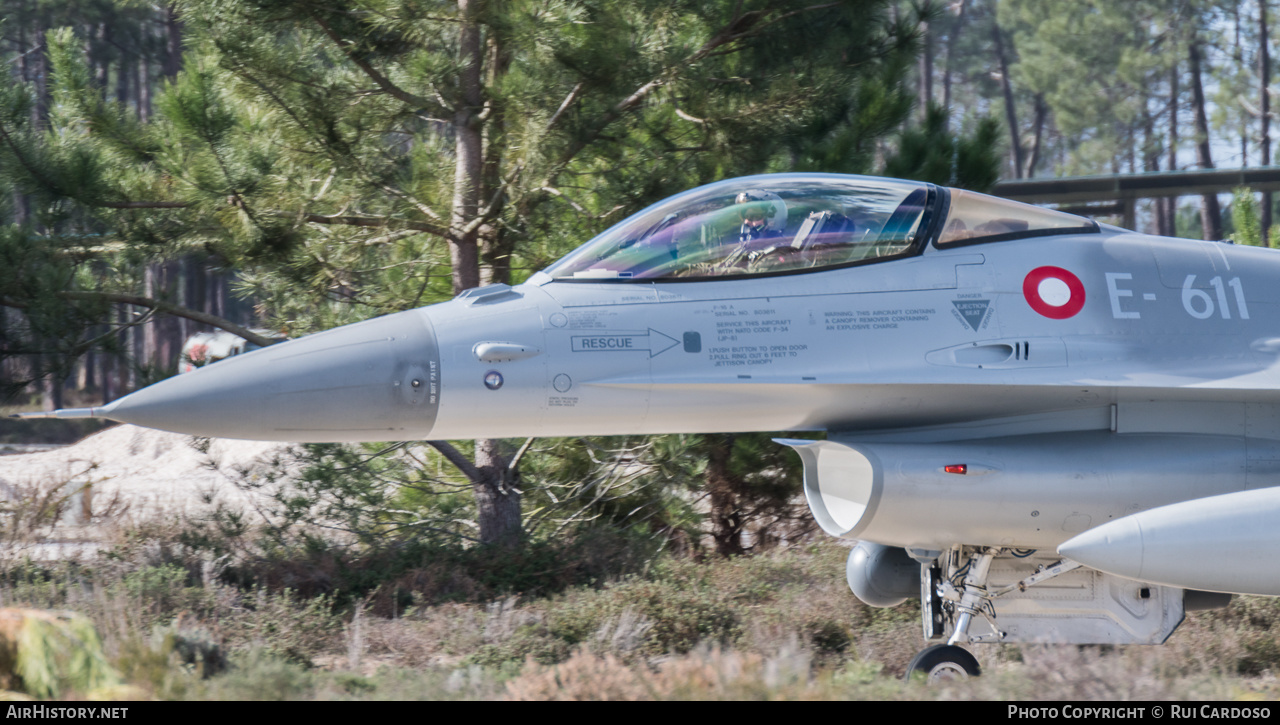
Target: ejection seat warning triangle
pixel 653 342
pixel 972 312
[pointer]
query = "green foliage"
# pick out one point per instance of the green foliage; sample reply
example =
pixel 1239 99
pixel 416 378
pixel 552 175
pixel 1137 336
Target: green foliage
pixel 61 655
pixel 528 643
pixel 32 278
pixel 286 626
pixel 162 588
pixel 418 574
pixel 258 676
pixel 192 647
pixel 683 618
pixel 1247 642
pixel 1245 221
pixel 321 152
pixel 1098 68
pixel 173 658
pixel 270 151
pixel 785 622
pixel 932 152
pixel 827 636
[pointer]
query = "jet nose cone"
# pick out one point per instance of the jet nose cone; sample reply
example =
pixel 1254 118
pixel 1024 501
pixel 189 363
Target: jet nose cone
pixel 371 381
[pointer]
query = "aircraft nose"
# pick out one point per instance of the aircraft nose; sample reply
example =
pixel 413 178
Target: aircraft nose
pixel 372 381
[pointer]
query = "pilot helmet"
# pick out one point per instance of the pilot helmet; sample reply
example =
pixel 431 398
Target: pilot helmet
pixel 761 209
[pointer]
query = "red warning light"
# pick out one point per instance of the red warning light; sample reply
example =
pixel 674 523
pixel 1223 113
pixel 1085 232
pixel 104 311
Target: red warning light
pixel 960 468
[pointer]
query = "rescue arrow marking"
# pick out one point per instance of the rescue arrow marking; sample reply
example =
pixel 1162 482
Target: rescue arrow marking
pixel 653 342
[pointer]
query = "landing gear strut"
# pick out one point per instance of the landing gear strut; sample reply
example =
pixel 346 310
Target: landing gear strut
pixel 956 591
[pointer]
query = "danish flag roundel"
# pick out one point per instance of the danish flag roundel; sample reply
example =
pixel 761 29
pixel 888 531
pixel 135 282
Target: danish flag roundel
pixel 1053 292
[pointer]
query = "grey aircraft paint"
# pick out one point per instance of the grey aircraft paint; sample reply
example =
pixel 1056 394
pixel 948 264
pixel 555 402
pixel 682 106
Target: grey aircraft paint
pixel 993 377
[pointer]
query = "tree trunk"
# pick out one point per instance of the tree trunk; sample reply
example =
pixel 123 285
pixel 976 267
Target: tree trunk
pixel 124 76
pixel 172 42
pixel 195 289
pixel 497 495
pixel 1264 135
pixel 497 498
pixel 107 377
pixel 1151 164
pixel 168 327
pixel 151 330
pixel 89 371
pixel 722 491
pixel 1211 212
pixel 161 336
pixel 1033 159
pixel 469 152
pixel 1010 113
pixel 1171 202
pixel 952 39
pixel 21 204
pixel 101 59
pixel 51 384
pixel 142 84
pixel 40 74
pixel 496 246
pixel 926 69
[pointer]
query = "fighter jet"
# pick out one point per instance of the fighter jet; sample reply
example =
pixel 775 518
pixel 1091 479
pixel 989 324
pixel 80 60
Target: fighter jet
pixel 1048 429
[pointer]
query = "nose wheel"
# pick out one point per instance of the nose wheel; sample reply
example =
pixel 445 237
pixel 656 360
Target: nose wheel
pixel 943 663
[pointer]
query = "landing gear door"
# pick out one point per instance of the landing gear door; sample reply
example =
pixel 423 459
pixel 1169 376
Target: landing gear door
pixel 935 626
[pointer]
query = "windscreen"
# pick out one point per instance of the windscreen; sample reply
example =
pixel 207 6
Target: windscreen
pixel 976 218
pixel 758 225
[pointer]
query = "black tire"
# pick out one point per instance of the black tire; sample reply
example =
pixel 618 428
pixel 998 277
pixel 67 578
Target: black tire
pixel 943 662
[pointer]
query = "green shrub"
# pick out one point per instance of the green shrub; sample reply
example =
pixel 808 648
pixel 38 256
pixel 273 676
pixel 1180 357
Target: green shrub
pixel 284 626
pixel 257 675
pixel 528 643
pixel 61 653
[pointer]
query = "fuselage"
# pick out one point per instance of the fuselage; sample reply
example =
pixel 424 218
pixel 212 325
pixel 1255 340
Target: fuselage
pixel 867 305
pixel 947 336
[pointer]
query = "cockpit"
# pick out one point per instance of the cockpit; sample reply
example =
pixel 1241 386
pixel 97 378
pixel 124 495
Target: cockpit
pixel 791 223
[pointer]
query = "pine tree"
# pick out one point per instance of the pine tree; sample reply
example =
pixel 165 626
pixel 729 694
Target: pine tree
pixel 931 152
pixel 356 158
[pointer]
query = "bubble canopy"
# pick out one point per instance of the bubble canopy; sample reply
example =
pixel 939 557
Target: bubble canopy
pixel 757 225
pixel 790 223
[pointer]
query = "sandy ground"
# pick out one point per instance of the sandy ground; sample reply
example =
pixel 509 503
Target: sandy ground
pixel 122 475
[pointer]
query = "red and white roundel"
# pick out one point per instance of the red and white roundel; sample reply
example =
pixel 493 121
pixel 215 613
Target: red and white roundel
pixel 1053 292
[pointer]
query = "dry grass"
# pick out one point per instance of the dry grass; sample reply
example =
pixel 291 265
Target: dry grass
pixel 180 623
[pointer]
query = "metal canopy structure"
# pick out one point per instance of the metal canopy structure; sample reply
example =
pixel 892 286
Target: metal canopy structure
pixel 1122 190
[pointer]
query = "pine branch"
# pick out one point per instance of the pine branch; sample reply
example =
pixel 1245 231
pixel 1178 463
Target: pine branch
pixel 742 26
pixel 141 204
pixel 515 460
pixel 377 77
pixel 31 169
pixel 454 456
pixel 56 189
pixel 564 105
pixel 340 156
pixel 169 308
pixel 487 213
pixel 360 221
